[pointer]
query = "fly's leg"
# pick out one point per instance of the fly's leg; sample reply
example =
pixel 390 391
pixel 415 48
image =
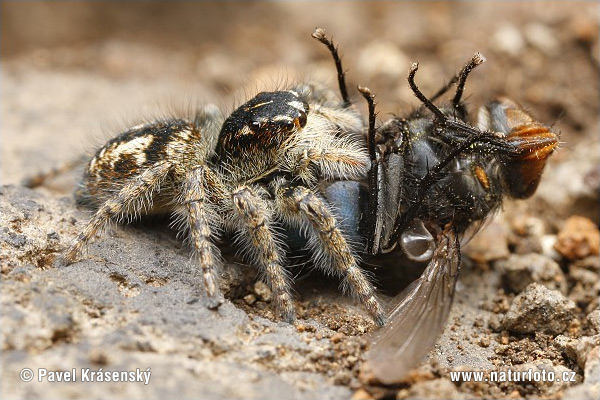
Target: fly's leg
pixel 373 171
pixel 319 34
pixel 461 78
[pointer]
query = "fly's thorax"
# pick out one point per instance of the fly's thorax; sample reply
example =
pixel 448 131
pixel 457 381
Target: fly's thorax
pixel 467 190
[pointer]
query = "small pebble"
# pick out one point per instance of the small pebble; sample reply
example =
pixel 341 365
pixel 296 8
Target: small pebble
pixel 352 360
pixel 584 276
pixel 263 291
pixel 98 357
pixel 539 309
pixel 343 378
pixel 489 244
pixel 592 367
pixel 578 238
pixel 528 226
pixel 594 319
pixel 14 239
pixel 547 243
pixel 540 366
pixel 591 263
pixel 53 236
pixel 509 40
pixel 519 271
pixel 441 388
pixel 541 37
pixel 582 392
pixel 362 394
pixel 494 323
pixel 337 337
pixel 250 299
pixel 577 349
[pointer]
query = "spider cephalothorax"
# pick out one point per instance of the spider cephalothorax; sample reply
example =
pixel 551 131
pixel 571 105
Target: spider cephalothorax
pixel 253 173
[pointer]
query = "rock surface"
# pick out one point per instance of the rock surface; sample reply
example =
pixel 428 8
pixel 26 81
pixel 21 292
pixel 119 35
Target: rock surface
pixel 578 238
pixel 519 271
pixel 76 73
pixel 137 304
pixel 538 309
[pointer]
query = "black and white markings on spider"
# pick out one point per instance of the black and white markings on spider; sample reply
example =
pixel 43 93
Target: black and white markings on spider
pixel 249 174
pixel 410 188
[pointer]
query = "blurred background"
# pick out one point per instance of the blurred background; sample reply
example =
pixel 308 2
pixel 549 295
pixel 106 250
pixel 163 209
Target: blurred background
pixel 75 73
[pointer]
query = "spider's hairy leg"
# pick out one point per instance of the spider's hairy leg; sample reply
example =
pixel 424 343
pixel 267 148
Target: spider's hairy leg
pixel 200 216
pixel 346 120
pixel 302 207
pixel 127 200
pixel 335 158
pixel 40 179
pixel 254 221
pixel 335 155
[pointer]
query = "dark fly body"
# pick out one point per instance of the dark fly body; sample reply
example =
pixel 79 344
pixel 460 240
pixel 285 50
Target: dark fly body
pixel 434 176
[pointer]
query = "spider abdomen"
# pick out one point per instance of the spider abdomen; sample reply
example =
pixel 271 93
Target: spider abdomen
pixel 134 151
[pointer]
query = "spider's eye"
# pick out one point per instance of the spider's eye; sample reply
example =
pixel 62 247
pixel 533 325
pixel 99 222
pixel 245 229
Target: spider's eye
pixel 289 125
pixel 255 125
pixel 302 120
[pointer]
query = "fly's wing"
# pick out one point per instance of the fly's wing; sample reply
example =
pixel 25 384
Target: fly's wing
pixel 418 316
pixel 389 182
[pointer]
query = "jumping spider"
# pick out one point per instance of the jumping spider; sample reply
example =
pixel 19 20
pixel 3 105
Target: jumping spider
pixel 288 159
pixel 256 172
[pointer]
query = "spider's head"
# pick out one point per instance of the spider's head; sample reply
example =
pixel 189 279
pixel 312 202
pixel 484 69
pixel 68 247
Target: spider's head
pixel 263 124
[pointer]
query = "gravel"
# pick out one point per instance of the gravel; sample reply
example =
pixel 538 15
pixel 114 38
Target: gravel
pixel 538 308
pixel 74 74
pixel 519 271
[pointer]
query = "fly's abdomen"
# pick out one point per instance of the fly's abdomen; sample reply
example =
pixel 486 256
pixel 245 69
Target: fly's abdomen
pixel 533 142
